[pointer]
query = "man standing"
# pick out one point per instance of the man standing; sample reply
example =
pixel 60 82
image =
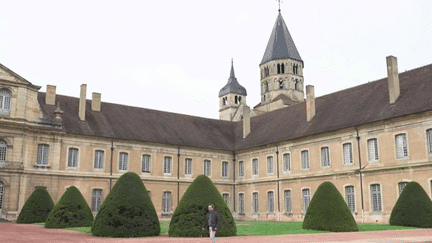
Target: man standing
pixel 212 222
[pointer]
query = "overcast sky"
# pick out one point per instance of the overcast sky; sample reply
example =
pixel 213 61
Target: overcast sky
pixel 175 55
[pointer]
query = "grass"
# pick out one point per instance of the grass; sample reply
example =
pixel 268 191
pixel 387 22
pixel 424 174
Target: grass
pixel 254 228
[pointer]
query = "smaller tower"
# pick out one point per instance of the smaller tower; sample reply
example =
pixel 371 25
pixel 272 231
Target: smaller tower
pixel 231 96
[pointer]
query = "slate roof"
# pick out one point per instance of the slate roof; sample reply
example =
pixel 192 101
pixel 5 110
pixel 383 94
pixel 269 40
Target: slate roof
pixel 232 87
pixel 347 108
pixel 280 44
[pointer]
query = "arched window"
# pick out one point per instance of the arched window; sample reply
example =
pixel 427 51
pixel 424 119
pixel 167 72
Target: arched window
pixel 278 69
pixel 3 151
pixel 280 84
pixel 239 99
pixel 266 87
pixel 224 101
pixel 296 84
pixel 236 99
pixel 282 68
pixel 5 102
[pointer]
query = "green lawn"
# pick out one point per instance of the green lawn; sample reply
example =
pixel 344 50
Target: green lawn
pixel 250 228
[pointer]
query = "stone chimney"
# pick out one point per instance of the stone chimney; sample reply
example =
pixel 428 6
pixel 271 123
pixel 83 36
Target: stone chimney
pixel 393 78
pixel 310 102
pixel 50 95
pixel 246 121
pixel 82 102
pixel 96 101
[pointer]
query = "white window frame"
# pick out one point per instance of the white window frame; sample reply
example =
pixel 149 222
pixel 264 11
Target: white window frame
pixel 373 153
pixel 96 199
pixel 325 157
pixel 97 159
pixel 241 169
pixel 287 162
pixel 69 157
pixel 348 159
pixel 288 200
pixel 166 202
pixel 42 155
pixel 241 202
pixel 270 165
pixel 3 150
pixel 5 98
pixel 146 162
pixel 350 197
pixel 167 165
pixel 305 159
pixel 379 198
pixel 270 202
pixel 188 167
pixel 255 204
pixel 121 163
pixel 224 171
pixel 207 167
pixel 401 147
pixel 401 185
pixel 306 198
pixel 255 167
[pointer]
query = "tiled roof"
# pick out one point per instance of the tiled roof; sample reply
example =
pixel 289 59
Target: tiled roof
pixel 280 44
pixel 347 108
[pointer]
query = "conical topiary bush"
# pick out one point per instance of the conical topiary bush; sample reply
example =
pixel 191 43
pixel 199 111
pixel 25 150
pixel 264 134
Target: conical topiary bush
pixel 188 217
pixel 71 211
pixel 127 211
pixel 36 208
pixel 328 211
pixel 413 208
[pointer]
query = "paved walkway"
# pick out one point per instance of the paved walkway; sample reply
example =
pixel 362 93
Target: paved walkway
pixel 14 233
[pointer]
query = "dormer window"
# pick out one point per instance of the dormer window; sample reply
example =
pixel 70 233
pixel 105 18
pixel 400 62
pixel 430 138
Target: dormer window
pixel 5 102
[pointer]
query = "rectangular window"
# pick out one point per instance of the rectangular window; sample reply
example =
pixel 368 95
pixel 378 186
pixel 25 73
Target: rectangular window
pixel 288 202
pixel 373 149
pixel 145 163
pixel 270 202
pixel 287 162
pixel 349 196
pixel 167 165
pixel 402 186
pixel 306 199
pixel 270 164
pixel 401 146
pixel 429 140
pixel 188 166
pixel 305 159
pixel 123 161
pixel 207 167
pixel 98 159
pixel 241 203
pixel 241 168
pixel 255 167
pixel 255 202
pixel 347 150
pixel 42 154
pixel 325 157
pixel 73 157
pixel 96 199
pixel 166 202
pixel 225 197
pixel 376 197
pixel 224 169
pixel 3 151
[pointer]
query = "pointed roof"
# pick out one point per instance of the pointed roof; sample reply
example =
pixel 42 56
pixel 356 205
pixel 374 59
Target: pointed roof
pixel 232 87
pixel 280 45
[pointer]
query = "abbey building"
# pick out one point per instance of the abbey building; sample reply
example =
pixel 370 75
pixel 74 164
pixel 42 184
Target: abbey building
pixel 267 161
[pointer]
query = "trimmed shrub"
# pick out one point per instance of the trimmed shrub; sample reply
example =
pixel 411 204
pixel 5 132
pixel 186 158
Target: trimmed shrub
pixel 127 211
pixel 413 208
pixel 189 215
pixel 36 208
pixel 328 211
pixel 71 211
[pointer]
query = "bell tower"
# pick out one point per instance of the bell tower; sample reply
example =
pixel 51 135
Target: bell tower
pixel 231 97
pixel 281 70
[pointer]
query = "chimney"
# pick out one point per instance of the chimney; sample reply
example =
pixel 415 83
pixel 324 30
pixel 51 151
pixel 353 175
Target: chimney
pixel 96 101
pixel 393 78
pixel 82 102
pixel 50 95
pixel 246 121
pixel 310 102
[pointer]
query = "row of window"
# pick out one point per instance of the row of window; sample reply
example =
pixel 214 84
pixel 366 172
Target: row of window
pixel 237 100
pixel 280 69
pixel 296 83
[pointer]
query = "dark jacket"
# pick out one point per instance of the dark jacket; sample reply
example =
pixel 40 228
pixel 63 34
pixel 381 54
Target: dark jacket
pixel 215 222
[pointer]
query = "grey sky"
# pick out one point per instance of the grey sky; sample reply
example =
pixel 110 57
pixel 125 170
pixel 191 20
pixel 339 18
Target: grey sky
pixel 176 55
